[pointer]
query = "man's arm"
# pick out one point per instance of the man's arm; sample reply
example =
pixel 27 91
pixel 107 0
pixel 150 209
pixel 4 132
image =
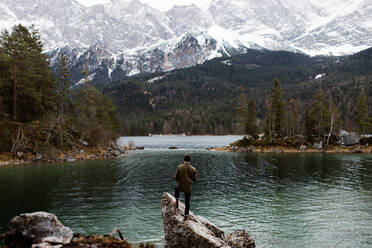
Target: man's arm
pixel 195 176
pixel 177 175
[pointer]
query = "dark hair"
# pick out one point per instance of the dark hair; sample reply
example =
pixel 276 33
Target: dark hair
pixel 187 158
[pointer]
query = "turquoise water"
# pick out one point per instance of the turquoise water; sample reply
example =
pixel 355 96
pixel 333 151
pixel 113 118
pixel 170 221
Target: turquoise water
pixel 283 200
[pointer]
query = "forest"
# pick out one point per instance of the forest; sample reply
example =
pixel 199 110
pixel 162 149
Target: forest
pixel 204 99
pixel 40 112
pixel 282 94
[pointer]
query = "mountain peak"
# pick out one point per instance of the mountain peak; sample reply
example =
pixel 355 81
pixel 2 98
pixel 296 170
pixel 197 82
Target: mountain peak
pixel 138 33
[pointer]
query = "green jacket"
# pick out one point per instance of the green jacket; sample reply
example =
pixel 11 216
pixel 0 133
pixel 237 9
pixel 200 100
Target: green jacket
pixel 185 174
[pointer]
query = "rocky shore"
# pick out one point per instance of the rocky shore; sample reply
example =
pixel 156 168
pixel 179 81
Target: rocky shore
pixel 301 149
pixel 44 230
pixel 82 153
pixel 345 142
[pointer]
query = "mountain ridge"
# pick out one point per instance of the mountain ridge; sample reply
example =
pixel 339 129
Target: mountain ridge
pixel 134 37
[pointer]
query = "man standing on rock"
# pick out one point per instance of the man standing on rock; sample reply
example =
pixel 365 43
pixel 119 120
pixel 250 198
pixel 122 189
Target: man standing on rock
pixel 185 175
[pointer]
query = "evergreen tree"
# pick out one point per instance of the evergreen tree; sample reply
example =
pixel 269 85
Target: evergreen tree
pixel 293 118
pixel 251 127
pixel 30 90
pixel 97 120
pixel 63 92
pixel 318 116
pixel 361 113
pixel 241 110
pixel 276 110
pixel 4 76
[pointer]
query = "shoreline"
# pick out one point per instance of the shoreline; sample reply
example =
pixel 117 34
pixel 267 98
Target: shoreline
pixel 82 154
pixel 97 153
pixel 282 149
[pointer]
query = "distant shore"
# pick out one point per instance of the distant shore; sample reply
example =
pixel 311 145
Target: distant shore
pixel 282 149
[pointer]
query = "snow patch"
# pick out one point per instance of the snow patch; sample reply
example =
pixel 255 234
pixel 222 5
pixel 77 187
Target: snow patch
pixel 319 76
pixel 155 79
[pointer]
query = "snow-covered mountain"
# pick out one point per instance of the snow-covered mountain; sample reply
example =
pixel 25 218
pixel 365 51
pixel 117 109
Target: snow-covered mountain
pixel 125 37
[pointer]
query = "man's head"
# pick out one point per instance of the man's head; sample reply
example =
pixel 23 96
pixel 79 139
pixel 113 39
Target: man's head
pixel 187 158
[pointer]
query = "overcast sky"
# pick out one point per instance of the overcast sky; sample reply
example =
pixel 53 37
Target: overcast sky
pixel 159 4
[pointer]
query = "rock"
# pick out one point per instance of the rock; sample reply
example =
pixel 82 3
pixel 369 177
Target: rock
pixel 303 148
pixel 116 153
pixel 348 138
pixel 197 232
pixel 41 227
pixel 240 239
pixel 140 148
pixel 173 147
pixel 38 157
pixel 114 146
pixel 19 154
pixel 84 143
pixel 94 241
pixel 358 150
pixel 318 146
pixel 69 158
pixel 234 148
pixel 45 245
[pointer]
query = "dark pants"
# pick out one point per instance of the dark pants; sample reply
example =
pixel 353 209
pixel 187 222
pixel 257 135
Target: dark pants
pixel 187 200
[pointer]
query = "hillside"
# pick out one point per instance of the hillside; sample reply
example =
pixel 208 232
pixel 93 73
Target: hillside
pixel 202 99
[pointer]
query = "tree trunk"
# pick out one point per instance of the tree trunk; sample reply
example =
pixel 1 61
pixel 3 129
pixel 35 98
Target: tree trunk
pixel 61 123
pixel 15 88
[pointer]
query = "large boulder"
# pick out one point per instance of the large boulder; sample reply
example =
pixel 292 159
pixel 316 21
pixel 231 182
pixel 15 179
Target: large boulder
pixel 196 232
pixel 348 138
pixel 41 227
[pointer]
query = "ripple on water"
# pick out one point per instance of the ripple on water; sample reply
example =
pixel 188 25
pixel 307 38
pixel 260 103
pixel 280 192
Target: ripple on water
pixel 294 200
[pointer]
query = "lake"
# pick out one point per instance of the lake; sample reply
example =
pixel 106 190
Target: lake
pixel 282 200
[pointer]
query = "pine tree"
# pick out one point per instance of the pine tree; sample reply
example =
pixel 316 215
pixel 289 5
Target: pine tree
pixel 318 116
pixel 4 79
pixel 97 120
pixel 276 111
pixel 251 127
pixel 30 88
pixel 293 118
pixel 361 113
pixel 241 110
pixel 63 91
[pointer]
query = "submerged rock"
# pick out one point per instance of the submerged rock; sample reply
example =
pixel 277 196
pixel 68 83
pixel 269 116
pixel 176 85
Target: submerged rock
pixel 41 227
pixel 196 232
pixel 173 147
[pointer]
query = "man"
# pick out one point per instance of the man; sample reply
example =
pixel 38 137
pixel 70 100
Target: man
pixel 185 175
